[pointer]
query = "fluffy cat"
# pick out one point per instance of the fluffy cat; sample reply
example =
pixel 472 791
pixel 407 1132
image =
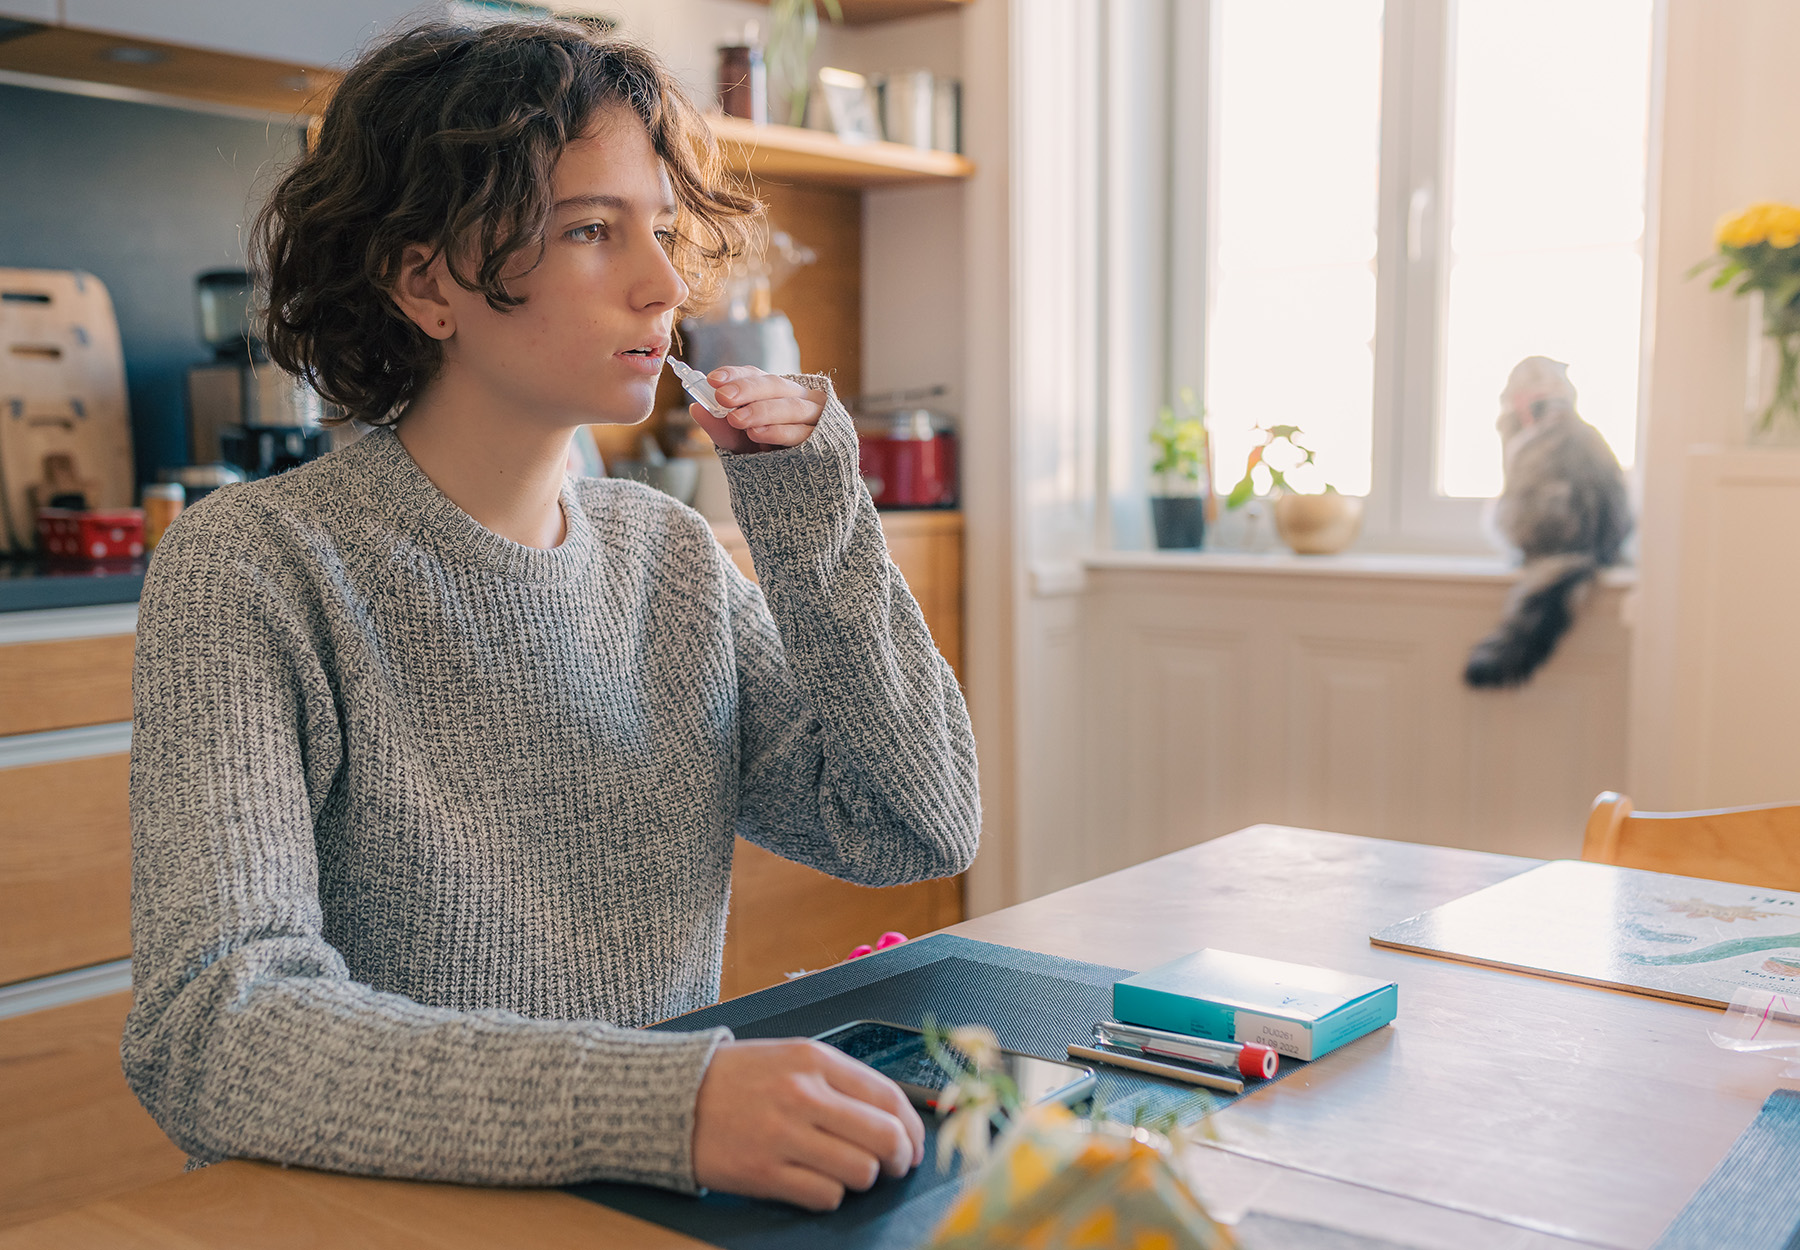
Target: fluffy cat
pixel 1564 507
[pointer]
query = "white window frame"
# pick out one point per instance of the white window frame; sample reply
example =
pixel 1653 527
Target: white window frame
pixel 1404 510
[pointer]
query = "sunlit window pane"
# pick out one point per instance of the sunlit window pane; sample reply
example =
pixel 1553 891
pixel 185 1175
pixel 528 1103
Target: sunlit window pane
pixel 1293 302
pixel 1551 105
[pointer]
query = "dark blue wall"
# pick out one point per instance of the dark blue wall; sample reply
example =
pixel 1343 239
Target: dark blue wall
pixel 144 198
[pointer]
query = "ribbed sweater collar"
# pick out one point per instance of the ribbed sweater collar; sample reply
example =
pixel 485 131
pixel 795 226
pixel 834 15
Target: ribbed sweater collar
pixel 398 489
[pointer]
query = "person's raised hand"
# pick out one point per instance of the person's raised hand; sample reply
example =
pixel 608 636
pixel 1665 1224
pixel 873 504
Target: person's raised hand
pixel 766 410
pixel 801 1122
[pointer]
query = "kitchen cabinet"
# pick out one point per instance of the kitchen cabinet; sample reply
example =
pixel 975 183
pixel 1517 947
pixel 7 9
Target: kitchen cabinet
pixel 64 683
pixel 65 858
pixel 72 1131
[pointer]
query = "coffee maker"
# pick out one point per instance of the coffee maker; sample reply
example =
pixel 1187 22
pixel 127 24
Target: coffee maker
pixel 242 409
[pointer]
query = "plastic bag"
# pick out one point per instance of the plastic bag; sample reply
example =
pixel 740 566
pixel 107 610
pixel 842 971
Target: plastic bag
pixel 1760 1021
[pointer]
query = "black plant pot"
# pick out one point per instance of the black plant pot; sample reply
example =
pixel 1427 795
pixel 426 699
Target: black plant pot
pixel 1180 521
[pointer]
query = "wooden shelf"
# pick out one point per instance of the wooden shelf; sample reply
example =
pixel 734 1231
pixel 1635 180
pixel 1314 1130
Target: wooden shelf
pixel 284 88
pixel 868 12
pixel 777 154
pixel 790 154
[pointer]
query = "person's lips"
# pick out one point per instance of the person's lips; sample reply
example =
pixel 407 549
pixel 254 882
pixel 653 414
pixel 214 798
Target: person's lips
pixel 656 347
pixel 646 357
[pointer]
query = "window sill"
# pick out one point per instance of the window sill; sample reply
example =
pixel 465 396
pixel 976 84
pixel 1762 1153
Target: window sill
pixel 1366 565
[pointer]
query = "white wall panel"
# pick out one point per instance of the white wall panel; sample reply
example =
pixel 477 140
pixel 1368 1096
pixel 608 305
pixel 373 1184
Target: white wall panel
pixel 1735 734
pixel 1050 745
pixel 1352 721
pixel 1220 697
pixel 1186 706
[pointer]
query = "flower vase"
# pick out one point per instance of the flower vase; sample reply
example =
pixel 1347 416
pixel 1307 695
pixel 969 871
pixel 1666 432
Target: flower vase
pixel 1772 388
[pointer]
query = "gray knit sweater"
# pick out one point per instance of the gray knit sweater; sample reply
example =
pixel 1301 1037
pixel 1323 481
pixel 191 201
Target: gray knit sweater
pixel 426 824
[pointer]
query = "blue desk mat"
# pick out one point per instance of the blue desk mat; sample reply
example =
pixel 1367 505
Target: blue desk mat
pixel 1752 1199
pixel 1036 1004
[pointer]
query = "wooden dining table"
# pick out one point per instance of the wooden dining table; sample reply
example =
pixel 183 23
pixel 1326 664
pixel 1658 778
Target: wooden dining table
pixel 1498 1111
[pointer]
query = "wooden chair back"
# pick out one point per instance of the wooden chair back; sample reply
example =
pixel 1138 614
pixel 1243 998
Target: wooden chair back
pixel 1749 845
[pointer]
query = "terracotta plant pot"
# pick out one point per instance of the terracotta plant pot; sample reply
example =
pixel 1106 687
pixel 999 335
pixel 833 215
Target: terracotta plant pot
pixel 1318 525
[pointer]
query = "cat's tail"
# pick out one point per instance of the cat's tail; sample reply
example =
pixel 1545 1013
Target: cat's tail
pixel 1538 613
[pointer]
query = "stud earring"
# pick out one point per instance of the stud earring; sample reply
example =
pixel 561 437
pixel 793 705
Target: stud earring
pixel 440 325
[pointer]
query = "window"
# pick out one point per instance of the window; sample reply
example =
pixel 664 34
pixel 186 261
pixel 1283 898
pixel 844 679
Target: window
pixel 1406 198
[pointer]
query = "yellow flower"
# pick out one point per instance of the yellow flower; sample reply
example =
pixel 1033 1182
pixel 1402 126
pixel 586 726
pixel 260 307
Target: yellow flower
pixel 1767 222
pixel 1784 227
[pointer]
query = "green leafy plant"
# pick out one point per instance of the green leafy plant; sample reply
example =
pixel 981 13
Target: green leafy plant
pixel 1276 479
pixel 1178 444
pixel 793 34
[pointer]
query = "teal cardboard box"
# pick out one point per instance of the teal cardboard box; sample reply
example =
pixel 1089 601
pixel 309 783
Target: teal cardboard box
pixel 1300 1011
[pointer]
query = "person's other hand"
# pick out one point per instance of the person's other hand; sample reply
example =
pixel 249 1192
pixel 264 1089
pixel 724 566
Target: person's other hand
pixel 800 1121
pixel 766 411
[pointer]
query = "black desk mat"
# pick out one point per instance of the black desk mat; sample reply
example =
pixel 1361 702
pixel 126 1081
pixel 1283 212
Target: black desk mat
pixel 1752 1199
pixel 1036 1004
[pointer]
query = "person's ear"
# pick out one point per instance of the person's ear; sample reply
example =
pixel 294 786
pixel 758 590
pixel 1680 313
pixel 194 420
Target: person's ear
pixel 419 291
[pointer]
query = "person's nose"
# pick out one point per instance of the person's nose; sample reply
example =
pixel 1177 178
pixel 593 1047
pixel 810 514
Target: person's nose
pixel 658 284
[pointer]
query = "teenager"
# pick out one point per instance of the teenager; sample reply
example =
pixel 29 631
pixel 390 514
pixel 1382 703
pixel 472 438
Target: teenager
pixel 438 756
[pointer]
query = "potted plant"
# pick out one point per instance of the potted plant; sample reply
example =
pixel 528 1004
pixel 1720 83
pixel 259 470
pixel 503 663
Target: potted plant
pixel 1311 524
pixel 1178 467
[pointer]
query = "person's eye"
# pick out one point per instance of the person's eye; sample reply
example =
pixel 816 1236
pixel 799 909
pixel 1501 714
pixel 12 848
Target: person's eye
pixel 666 237
pixel 593 232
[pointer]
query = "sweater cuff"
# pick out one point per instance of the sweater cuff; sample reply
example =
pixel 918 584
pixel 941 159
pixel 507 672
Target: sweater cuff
pixel 635 1120
pixel 776 496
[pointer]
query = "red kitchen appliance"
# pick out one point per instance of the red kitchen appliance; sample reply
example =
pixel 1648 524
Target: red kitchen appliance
pixel 907 458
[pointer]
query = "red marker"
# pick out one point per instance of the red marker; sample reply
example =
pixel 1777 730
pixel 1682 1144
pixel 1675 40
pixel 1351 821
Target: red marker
pixel 1250 1058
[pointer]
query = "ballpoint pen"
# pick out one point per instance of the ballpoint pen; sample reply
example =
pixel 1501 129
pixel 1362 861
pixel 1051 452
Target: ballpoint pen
pixel 1186 1073
pixel 1248 1058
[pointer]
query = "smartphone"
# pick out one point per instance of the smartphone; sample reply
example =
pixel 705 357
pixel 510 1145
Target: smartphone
pixel 899 1054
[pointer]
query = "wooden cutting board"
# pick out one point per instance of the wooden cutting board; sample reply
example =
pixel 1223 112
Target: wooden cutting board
pixel 62 396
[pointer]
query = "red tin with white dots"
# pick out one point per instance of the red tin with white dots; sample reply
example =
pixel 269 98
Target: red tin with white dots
pixel 81 536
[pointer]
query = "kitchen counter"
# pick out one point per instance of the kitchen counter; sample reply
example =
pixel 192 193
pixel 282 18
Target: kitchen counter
pixel 31 584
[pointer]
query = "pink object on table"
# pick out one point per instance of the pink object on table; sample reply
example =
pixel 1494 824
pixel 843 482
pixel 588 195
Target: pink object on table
pixel 890 938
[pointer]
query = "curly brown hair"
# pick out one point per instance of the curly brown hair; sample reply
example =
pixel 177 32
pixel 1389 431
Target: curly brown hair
pixel 446 136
